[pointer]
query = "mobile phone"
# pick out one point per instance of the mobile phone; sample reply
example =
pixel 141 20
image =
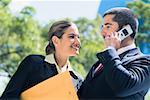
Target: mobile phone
pixel 125 32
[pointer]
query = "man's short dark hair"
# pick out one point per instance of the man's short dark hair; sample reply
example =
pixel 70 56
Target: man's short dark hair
pixel 124 16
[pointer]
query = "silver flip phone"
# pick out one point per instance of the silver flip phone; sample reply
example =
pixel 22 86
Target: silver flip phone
pixel 125 32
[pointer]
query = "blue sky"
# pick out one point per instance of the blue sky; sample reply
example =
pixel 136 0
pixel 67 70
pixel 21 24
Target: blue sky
pixel 58 9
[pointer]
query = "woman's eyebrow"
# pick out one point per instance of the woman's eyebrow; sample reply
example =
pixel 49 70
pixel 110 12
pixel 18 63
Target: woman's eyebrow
pixel 71 34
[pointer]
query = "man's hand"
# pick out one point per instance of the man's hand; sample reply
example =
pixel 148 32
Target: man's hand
pixel 112 40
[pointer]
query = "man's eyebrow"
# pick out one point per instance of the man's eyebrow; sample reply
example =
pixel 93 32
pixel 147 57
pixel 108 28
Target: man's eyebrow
pixel 107 24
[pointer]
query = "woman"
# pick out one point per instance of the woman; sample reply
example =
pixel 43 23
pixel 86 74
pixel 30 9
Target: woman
pixel 63 43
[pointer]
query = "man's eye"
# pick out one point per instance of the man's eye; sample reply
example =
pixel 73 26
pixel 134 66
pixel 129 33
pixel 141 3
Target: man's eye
pixel 108 27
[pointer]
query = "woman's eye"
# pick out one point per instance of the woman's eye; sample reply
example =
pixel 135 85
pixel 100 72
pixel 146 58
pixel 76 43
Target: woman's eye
pixel 72 36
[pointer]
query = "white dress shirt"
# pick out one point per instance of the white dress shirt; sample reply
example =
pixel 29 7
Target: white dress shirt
pixel 76 82
pixel 124 49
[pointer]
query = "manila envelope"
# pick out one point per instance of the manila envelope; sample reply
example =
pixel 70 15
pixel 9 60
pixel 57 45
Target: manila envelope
pixel 58 87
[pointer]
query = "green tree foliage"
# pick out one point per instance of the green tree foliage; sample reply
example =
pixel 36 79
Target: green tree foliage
pixel 141 8
pixel 147 97
pixel 19 36
pixel 147 1
pixel 4 3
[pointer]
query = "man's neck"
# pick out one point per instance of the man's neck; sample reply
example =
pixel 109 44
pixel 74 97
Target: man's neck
pixel 126 42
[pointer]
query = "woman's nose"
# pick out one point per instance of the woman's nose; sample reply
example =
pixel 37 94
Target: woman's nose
pixel 77 41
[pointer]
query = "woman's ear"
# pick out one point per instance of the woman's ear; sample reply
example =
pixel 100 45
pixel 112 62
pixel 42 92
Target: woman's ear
pixel 55 40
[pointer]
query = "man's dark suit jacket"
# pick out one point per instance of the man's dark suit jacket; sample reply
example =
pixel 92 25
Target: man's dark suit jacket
pixel 124 77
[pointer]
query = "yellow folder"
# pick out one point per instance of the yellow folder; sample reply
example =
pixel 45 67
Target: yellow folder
pixel 58 87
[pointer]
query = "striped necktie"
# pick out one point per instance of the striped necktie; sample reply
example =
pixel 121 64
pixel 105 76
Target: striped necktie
pixel 97 69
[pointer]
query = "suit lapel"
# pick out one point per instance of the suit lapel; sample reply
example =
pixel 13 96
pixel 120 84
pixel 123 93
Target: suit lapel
pixel 98 73
pixel 90 75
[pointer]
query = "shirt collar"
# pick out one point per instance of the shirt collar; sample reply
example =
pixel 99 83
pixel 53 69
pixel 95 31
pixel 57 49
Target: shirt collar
pixel 50 59
pixel 124 49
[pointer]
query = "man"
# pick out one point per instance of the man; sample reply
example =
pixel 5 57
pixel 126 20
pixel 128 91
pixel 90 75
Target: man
pixel 122 71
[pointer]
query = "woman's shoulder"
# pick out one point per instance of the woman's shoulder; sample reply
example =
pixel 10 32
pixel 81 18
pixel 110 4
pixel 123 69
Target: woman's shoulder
pixel 35 57
pixel 32 60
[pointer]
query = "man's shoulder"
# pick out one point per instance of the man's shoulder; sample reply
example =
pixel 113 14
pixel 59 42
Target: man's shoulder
pixel 140 59
pixel 145 57
pixel 142 56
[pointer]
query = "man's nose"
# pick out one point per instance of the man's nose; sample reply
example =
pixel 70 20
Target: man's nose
pixel 106 31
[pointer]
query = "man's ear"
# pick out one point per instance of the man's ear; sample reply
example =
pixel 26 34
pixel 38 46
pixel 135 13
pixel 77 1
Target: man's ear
pixel 55 40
